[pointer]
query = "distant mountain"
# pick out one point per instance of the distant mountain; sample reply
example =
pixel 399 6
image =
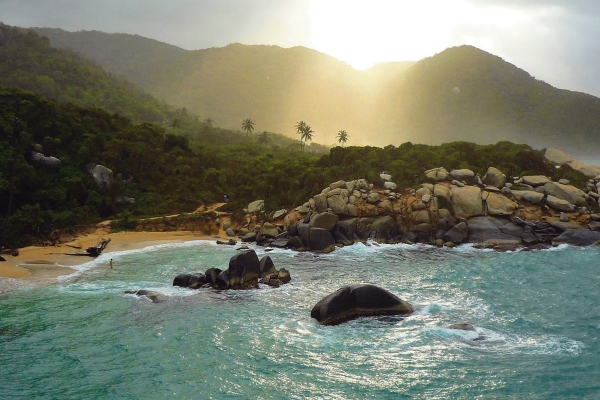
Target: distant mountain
pixel 28 62
pixel 462 93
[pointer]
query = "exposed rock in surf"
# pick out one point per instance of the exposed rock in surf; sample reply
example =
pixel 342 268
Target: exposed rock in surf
pixel 361 300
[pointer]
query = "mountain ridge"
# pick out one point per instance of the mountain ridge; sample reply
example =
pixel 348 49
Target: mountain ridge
pixel 461 93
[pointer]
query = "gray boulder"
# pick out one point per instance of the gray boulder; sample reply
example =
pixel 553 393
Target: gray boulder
pixel 279 213
pixel 439 174
pixel 383 229
pixel 462 174
pixel 182 280
pixel 390 185
pixel 321 241
pixel 577 237
pixel 123 200
pixel 374 198
pixel 486 230
pixel 347 228
pixel 103 176
pixel 269 230
pixel 338 185
pixel 591 171
pixel 244 270
pixel 325 220
pixel 267 268
pixel 230 232
pixel 338 204
pixel 462 327
pixel 566 192
pixel 354 301
pixel 256 207
pixel 557 157
pixel 467 201
pixel 529 196
pixel 559 204
pixel 457 234
pixel 304 233
pixel 280 243
pixel 249 237
pixel 535 180
pixel 40 160
pixel 498 204
pixel 150 294
pixel 321 202
pixel 494 177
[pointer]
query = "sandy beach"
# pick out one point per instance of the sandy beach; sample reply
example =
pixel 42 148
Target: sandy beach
pixel 35 266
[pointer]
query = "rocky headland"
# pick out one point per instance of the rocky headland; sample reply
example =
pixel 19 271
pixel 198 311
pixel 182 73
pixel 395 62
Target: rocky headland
pixel 448 209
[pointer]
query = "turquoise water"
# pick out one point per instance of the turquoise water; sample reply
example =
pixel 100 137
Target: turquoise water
pixel 539 313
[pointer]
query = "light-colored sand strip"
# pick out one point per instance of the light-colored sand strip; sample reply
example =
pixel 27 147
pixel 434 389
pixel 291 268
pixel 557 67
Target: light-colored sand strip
pixel 42 265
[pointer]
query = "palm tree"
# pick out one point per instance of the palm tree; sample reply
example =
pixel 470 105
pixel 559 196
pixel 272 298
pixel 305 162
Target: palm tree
pixel 306 135
pixel 300 127
pixel 342 137
pixel 248 126
pixel 263 137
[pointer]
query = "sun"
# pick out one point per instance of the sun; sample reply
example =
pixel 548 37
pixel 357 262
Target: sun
pixel 363 33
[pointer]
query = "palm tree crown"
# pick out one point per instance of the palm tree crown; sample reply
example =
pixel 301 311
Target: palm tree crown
pixel 263 137
pixel 248 126
pixel 342 137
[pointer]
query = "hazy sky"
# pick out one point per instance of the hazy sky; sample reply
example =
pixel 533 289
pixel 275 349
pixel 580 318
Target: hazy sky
pixel 554 40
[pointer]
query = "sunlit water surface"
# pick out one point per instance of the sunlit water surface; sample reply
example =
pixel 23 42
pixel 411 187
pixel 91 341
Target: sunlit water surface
pixel 538 313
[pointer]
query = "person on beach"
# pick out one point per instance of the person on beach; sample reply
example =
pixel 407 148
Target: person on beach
pixel 111 264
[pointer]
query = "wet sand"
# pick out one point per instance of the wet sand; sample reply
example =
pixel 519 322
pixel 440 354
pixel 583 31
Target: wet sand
pixel 39 266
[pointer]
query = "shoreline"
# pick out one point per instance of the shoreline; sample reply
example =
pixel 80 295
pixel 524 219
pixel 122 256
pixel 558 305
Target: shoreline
pixel 40 266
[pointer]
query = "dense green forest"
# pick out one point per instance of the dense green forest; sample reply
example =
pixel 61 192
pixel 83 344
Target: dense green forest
pixel 462 93
pixel 167 173
pixel 170 160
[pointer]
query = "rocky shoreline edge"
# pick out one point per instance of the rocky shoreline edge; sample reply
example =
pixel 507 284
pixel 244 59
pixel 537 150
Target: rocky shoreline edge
pixel 450 208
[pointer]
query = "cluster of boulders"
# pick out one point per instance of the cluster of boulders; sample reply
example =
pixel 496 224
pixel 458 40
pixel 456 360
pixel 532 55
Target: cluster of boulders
pixel 245 271
pixel 454 207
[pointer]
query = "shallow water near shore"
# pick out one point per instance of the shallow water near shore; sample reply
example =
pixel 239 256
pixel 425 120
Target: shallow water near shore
pixel 537 313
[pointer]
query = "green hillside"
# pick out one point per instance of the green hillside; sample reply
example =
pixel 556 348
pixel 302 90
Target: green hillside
pixel 462 93
pixel 167 174
pixel 27 61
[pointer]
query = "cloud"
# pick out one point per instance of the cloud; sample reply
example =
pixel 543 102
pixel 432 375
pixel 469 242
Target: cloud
pixel 185 23
pixel 553 40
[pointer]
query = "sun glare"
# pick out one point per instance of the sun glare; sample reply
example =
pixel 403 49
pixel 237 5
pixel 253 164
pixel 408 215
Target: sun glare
pixel 365 33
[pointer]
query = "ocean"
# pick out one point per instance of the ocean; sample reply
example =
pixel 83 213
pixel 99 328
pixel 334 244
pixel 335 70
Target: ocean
pixel 537 313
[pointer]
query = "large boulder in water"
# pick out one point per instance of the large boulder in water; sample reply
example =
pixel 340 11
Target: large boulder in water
pixel 182 280
pixel 267 268
pixel 577 237
pixel 150 294
pixel 361 300
pixel 321 241
pixel 457 234
pixel 486 230
pixel 244 270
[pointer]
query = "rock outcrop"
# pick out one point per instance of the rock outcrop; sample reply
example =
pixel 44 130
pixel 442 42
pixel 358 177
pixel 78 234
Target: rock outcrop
pixel 361 300
pixel 245 272
pixel 451 208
